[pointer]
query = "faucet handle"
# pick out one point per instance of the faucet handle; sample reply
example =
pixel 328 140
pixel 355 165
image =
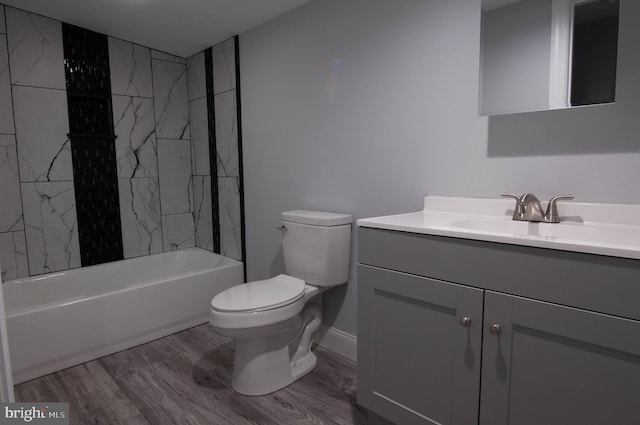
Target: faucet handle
pixel 552 216
pixel 519 210
pixel 509 195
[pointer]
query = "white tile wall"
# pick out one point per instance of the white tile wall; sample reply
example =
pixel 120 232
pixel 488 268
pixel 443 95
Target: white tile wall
pixel 35 50
pixel 197 86
pixel 170 100
pixel 155 54
pixel 199 137
pixel 226 134
pixel 140 216
pixel 3 28
pixel 50 226
pixel 224 66
pixel 162 149
pixel 130 68
pixel 230 219
pixel 6 108
pixel 178 231
pixel 42 126
pixel 11 203
pixel 176 192
pixel 203 213
pixel 136 146
pixel 13 256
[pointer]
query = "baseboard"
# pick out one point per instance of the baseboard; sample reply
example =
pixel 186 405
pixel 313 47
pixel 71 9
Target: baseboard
pixel 339 342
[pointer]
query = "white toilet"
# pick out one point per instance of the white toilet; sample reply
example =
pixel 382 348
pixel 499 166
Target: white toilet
pixel 270 321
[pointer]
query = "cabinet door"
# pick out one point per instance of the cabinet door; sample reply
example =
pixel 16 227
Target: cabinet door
pixel 557 365
pixel 417 364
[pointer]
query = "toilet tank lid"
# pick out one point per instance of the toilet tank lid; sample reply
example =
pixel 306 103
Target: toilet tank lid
pixel 316 218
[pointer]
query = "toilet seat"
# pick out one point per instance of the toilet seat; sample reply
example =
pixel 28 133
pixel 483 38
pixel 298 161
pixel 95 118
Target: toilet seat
pixel 260 295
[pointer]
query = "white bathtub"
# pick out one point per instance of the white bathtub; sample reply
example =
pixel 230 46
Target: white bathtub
pixel 58 320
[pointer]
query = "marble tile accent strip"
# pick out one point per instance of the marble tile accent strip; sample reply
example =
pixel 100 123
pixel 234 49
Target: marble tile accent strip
pixel 50 226
pixel 13 256
pixel 224 66
pixel 227 134
pixel 195 76
pixel 178 231
pixel 11 204
pixel 136 146
pixel 140 216
pixel 6 106
pixel 230 217
pixel 42 126
pixel 199 137
pixel 35 50
pixel 130 68
pixel 202 213
pixel 176 192
pixel 170 100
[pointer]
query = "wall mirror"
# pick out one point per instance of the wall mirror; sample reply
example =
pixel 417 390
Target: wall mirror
pixel 538 55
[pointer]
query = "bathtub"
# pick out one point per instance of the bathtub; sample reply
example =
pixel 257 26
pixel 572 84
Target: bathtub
pixel 62 319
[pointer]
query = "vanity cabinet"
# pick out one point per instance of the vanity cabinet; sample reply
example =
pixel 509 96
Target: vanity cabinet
pixel 455 331
pixel 552 364
pixel 417 362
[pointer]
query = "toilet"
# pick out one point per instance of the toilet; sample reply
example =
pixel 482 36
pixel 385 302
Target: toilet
pixel 270 320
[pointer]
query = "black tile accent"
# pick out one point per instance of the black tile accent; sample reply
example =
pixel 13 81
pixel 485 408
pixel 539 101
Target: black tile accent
pixel 236 41
pixel 91 116
pixel 86 61
pixel 213 161
pixel 86 58
pixel 97 199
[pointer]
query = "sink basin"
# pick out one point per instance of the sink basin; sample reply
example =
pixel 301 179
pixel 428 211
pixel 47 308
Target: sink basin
pixel 598 233
pixel 602 229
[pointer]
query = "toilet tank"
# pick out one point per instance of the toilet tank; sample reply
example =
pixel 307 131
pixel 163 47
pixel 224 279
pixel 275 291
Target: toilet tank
pixel 316 246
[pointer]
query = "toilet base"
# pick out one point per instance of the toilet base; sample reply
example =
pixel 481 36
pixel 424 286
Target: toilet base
pixel 263 365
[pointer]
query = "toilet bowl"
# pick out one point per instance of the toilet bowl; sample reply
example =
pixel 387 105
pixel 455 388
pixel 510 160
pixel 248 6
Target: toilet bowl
pixel 272 321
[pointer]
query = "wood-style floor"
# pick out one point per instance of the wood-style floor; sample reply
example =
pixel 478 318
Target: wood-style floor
pixel 184 379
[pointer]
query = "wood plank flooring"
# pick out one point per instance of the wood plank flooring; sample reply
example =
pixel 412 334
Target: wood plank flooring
pixel 185 379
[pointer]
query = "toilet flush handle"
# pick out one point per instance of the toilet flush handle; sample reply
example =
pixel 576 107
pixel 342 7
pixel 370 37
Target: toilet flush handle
pixel 283 227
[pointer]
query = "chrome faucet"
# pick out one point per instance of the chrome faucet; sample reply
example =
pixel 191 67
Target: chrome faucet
pixel 528 208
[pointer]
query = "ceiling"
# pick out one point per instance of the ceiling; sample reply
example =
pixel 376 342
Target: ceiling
pixel 179 27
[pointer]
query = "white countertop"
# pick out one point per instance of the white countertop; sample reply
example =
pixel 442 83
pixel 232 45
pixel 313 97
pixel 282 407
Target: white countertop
pixel 603 229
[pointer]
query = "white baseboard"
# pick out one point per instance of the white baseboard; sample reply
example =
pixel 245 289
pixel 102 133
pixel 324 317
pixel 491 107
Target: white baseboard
pixel 338 341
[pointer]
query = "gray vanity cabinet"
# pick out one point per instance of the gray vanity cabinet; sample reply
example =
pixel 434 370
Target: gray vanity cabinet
pixel 553 337
pixel 555 365
pixel 421 364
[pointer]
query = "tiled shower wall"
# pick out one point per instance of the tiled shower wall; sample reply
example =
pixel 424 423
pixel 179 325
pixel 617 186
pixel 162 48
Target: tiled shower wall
pixel 162 149
pixel 226 157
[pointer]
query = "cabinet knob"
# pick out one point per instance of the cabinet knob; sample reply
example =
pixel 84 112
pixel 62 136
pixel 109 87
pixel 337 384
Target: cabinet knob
pixel 465 321
pixel 495 329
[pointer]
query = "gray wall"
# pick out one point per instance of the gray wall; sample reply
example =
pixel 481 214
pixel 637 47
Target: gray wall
pixel 366 106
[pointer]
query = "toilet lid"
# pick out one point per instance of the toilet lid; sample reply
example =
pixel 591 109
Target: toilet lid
pixel 260 295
